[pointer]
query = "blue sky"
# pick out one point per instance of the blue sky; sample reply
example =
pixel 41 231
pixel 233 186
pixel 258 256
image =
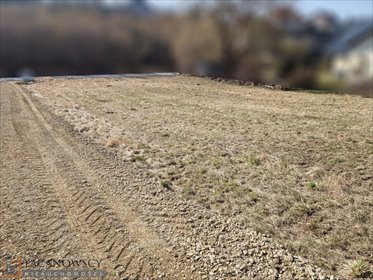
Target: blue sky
pixel 343 8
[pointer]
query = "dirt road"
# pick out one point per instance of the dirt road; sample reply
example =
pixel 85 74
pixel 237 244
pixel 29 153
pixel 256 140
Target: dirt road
pixel 56 198
pixel 64 196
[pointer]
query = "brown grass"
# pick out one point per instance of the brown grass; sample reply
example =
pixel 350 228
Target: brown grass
pixel 293 165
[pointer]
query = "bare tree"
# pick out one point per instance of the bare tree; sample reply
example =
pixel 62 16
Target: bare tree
pixel 239 28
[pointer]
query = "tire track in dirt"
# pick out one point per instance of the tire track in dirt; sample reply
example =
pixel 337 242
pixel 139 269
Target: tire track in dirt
pixel 33 220
pixel 127 244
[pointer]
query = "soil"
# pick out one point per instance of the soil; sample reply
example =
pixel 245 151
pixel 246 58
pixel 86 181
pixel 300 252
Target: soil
pixel 167 178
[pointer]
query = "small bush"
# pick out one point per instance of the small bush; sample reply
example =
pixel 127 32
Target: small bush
pixel 255 161
pixel 166 184
pixel 312 185
pixel 360 269
pixel 189 191
pixel 305 210
pixel 137 158
pixel 251 199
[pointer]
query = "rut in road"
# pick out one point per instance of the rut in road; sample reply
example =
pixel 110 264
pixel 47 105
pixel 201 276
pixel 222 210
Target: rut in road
pixel 33 220
pixel 129 247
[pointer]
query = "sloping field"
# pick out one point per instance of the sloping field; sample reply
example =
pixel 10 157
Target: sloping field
pixel 172 174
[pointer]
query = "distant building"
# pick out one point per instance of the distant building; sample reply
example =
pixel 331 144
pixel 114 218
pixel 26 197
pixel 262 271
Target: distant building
pixel 323 22
pixel 317 30
pixel 351 53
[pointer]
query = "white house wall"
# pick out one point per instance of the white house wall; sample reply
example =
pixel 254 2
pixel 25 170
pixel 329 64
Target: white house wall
pixel 356 65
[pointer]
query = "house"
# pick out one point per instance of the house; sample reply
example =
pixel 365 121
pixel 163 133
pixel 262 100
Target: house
pixel 317 29
pixel 323 22
pixel 351 53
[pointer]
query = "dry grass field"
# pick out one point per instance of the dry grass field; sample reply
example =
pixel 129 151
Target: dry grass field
pixel 295 166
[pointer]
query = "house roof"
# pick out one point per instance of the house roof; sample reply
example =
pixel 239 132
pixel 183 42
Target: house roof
pixel 350 35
